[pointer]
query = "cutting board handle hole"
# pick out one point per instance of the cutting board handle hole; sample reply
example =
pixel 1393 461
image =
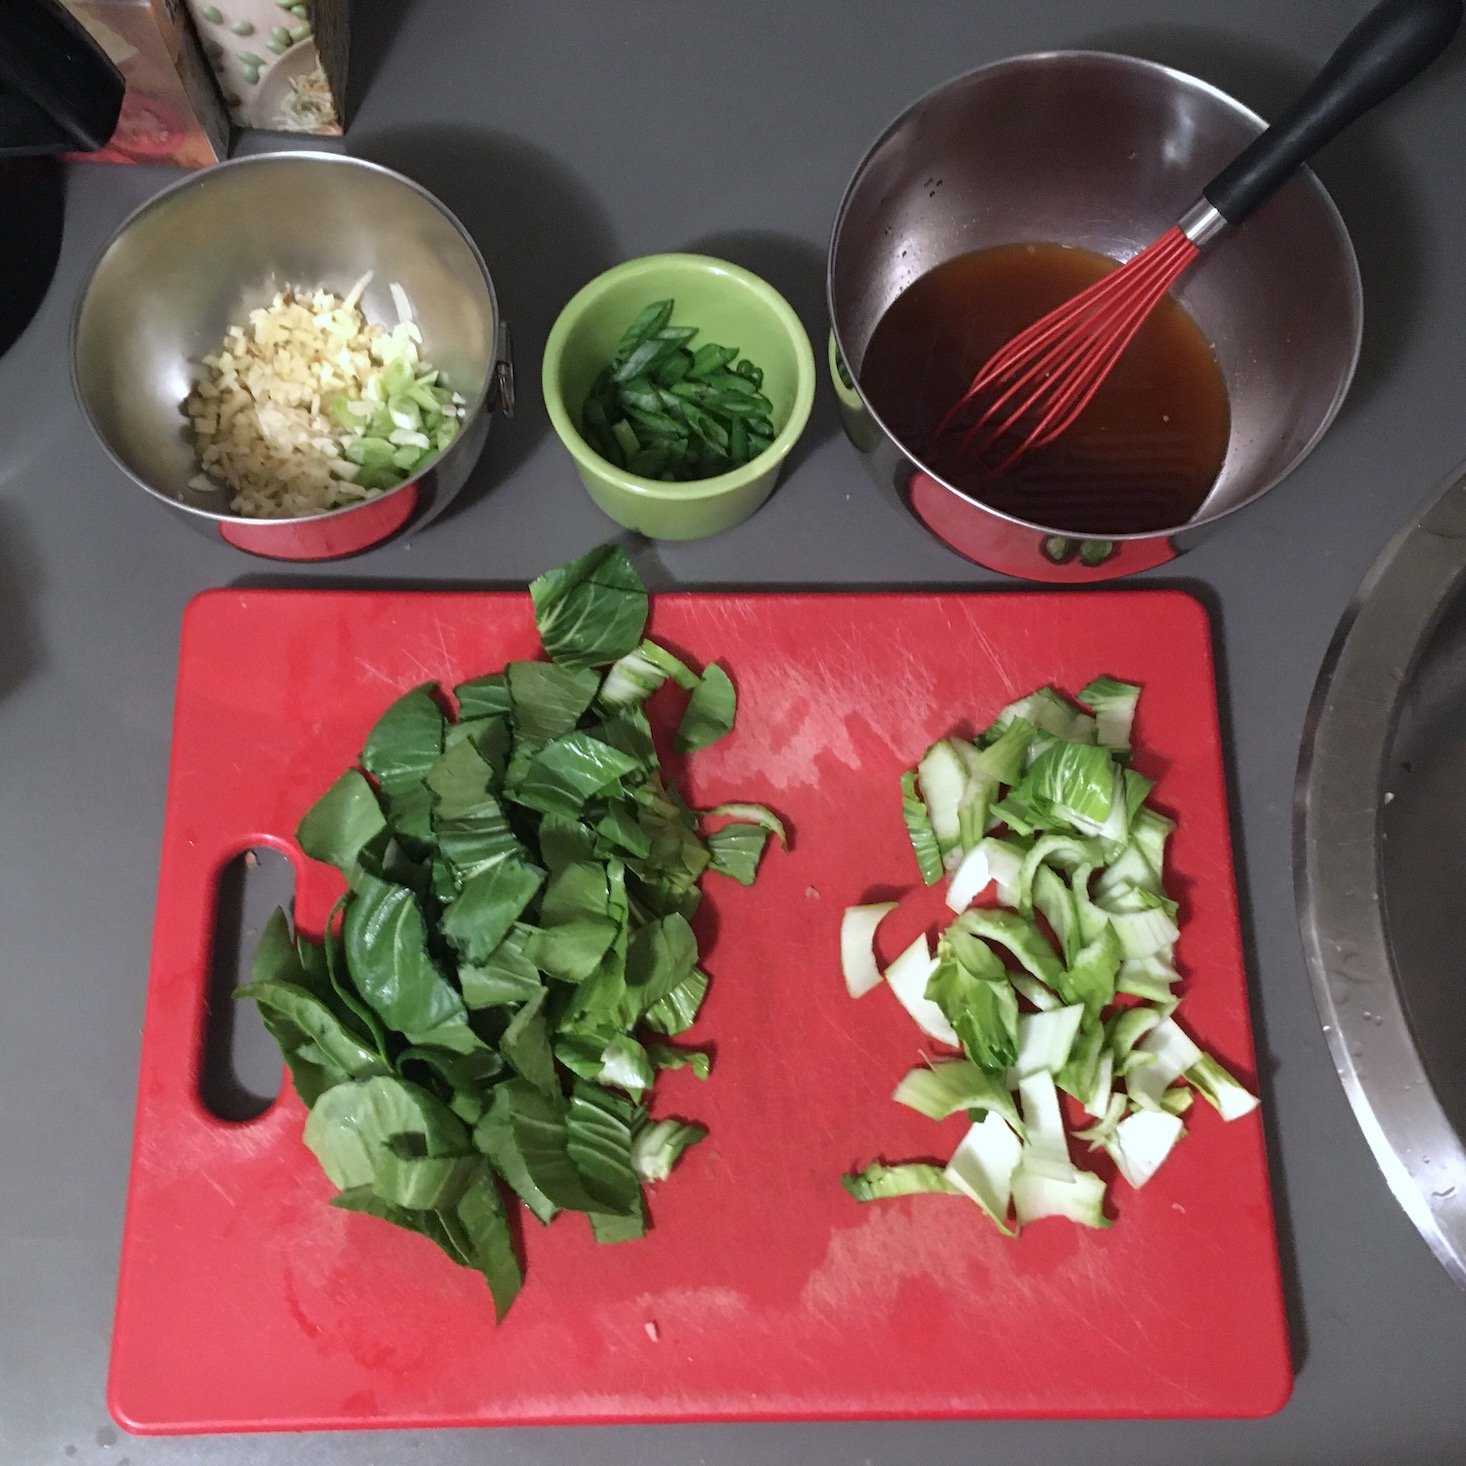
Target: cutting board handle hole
pixel 241 1071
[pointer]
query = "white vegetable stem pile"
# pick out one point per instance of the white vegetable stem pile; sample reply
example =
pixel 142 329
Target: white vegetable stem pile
pixel 1044 809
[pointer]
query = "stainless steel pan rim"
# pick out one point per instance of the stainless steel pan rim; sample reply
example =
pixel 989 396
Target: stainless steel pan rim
pixel 1340 791
pixel 1354 284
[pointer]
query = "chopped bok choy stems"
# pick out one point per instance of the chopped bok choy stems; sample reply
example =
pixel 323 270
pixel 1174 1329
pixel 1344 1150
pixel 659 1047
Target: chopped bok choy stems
pixel 1067 985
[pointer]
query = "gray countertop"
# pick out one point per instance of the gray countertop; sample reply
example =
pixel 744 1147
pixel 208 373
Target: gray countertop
pixel 567 137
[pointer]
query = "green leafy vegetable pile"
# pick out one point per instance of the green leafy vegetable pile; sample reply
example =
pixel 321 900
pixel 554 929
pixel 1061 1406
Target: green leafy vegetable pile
pixel 490 996
pixel 1044 807
pixel 665 411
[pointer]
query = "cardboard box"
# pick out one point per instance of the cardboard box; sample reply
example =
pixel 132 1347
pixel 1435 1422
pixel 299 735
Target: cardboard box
pixel 280 64
pixel 172 112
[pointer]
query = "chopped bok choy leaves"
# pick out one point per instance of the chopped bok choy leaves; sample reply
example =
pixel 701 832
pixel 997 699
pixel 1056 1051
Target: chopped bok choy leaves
pixel 476 1022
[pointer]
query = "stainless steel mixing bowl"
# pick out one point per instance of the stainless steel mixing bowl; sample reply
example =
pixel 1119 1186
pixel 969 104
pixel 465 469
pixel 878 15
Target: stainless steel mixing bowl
pixel 1105 152
pixel 1380 867
pixel 202 254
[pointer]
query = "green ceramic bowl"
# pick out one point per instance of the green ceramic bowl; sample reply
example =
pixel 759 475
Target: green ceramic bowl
pixel 728 305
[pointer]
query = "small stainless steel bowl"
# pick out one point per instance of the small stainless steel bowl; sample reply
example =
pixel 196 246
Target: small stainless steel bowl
pixel 198 257
pixel 1105 152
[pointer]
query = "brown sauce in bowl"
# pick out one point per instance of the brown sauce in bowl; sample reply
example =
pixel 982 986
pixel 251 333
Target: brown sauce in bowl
pixel 1143 455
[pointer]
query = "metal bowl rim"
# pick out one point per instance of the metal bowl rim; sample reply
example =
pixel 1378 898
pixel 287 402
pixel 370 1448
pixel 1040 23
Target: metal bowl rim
pixel 1347 735
pixel 1354 283
pixel 480 403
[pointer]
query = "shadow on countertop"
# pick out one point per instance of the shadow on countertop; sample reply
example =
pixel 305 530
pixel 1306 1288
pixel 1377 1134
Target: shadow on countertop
pixel 1385 209
pixel 374 30
pixel 645 555
pixel 20 582
pixel 542 236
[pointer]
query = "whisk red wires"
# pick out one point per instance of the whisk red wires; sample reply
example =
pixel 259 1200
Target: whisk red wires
pixel 1034 388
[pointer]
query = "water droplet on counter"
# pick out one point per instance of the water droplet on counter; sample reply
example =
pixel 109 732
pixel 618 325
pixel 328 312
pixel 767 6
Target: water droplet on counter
pixel 106 1437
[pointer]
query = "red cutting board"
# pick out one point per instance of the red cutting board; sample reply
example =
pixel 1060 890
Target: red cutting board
pixel 763 1291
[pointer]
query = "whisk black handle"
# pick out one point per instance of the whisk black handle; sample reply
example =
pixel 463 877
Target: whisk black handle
pixel 1392 45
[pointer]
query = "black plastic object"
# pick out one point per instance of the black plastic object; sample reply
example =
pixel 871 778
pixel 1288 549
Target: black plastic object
pixel 58 91
pixel 30 242
pixel 1392 45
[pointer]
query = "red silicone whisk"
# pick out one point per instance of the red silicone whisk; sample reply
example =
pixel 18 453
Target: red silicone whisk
pixel 1034 388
